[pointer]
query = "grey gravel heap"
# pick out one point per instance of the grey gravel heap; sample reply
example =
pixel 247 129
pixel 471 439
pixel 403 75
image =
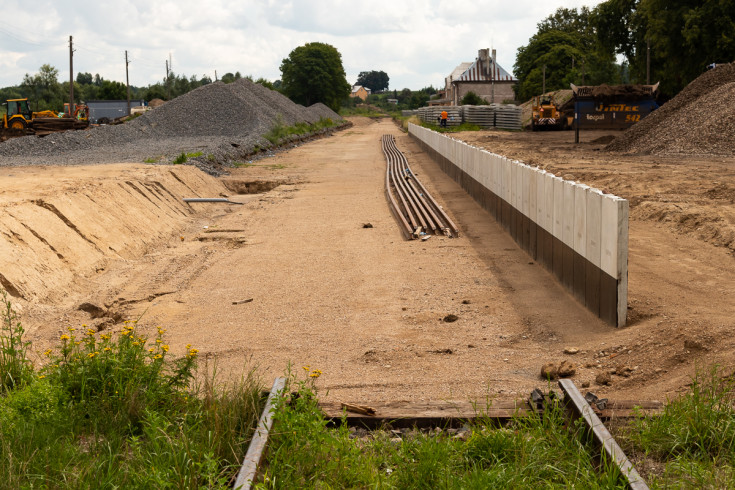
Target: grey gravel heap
pixel 695 122
pixel 222 121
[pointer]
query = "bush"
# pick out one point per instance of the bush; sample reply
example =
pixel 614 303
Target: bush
pixel 115 410
pixel 472 98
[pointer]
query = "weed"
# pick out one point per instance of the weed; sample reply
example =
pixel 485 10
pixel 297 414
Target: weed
pixel 15 368
pixel 152 160
pixel 695 435
pixel 180 159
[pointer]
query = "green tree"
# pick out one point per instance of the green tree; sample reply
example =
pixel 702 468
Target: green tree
pixel 313 73
pixel 418 99
pixel 44 89
pixel 84 78
pixel 568 46
pixel 112 91
pixel 683 35
pixel 374 80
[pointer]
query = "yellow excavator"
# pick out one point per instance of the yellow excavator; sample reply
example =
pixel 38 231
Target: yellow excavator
pixel 19 120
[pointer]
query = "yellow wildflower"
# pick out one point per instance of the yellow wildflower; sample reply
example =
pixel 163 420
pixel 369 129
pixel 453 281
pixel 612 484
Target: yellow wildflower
pixel 188 346
pixel 151 349
pixel 48 353
pixel 65 337
pixel 158 341
pixel 108 349
pixel 158 356
pixel 91 355
pixel 165 348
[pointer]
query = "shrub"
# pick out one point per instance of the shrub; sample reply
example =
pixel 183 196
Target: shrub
pixel 472 98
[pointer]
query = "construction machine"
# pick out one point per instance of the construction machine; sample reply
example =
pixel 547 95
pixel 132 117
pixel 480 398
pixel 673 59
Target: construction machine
pixel 19 120
pixel 545 114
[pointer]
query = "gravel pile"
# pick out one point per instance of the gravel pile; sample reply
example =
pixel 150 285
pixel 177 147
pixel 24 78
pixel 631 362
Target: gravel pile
pixel 222 121
pixel 695 122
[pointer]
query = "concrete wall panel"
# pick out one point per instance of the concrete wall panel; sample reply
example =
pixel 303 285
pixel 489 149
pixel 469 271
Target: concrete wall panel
pixel 576 232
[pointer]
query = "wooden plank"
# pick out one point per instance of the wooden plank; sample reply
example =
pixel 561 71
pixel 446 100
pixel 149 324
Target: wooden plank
pixel 576 403
pixel 454 414
pixel 426 414
pixel 260 439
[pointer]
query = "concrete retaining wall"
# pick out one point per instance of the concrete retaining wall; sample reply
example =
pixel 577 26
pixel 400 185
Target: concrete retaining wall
pixel 576 232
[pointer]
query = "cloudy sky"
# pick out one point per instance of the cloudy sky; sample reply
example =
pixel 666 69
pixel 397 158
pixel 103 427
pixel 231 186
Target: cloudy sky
pixel 416 42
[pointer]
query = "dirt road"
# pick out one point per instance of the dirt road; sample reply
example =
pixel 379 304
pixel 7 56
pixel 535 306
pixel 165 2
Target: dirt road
pixel 360 304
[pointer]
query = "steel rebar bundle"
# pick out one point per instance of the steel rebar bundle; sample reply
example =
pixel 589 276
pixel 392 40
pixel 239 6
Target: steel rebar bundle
pixel 417 212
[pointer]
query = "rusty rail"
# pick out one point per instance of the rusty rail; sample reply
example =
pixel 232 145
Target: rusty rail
pixel 416 210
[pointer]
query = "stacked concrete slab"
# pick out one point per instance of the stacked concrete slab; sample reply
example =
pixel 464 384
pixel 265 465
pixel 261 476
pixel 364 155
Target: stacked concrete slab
pixel 507 116
pixel 431 114
pixel 481 115
pixel 576 232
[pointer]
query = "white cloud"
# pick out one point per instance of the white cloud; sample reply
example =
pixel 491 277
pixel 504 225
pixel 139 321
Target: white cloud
pixel 416 42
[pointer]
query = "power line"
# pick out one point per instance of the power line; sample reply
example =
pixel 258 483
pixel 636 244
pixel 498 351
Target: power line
pixel 18 37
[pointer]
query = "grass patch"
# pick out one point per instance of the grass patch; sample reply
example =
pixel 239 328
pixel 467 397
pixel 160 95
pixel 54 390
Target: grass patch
pixel 118 410
pixel 693 442
pixel 279 132
pixel 184 157
pixel 530 452
pixel 152 160
pixel 369 111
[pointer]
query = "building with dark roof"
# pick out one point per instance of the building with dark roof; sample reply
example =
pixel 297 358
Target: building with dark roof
pixel 484 77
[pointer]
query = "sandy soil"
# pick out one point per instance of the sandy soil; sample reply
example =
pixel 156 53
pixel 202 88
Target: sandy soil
pixel 361 304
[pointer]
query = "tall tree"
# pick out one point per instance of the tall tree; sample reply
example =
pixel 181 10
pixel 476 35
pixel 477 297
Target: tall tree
pixel 374 80
pixel 44 89
pixel 314 73
pixel 567 44
pixel 684 36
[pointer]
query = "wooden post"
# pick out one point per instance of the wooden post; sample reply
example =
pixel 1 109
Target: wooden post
pixel 543 89
pixel 127 79
pixel 71 78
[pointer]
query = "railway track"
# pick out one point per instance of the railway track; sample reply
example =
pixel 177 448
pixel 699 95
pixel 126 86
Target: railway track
pixel 418 214
pixel 576 406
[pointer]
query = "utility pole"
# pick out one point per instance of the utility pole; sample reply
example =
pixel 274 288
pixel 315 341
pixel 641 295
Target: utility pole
pixel 127 79
pixel 215 75
pixel 168 90
pixel 648 61
pixel 543 89
pixel 71 77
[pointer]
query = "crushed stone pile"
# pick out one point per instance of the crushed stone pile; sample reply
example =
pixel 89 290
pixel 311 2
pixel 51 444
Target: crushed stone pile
pixel 695 122
pixel 221 121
